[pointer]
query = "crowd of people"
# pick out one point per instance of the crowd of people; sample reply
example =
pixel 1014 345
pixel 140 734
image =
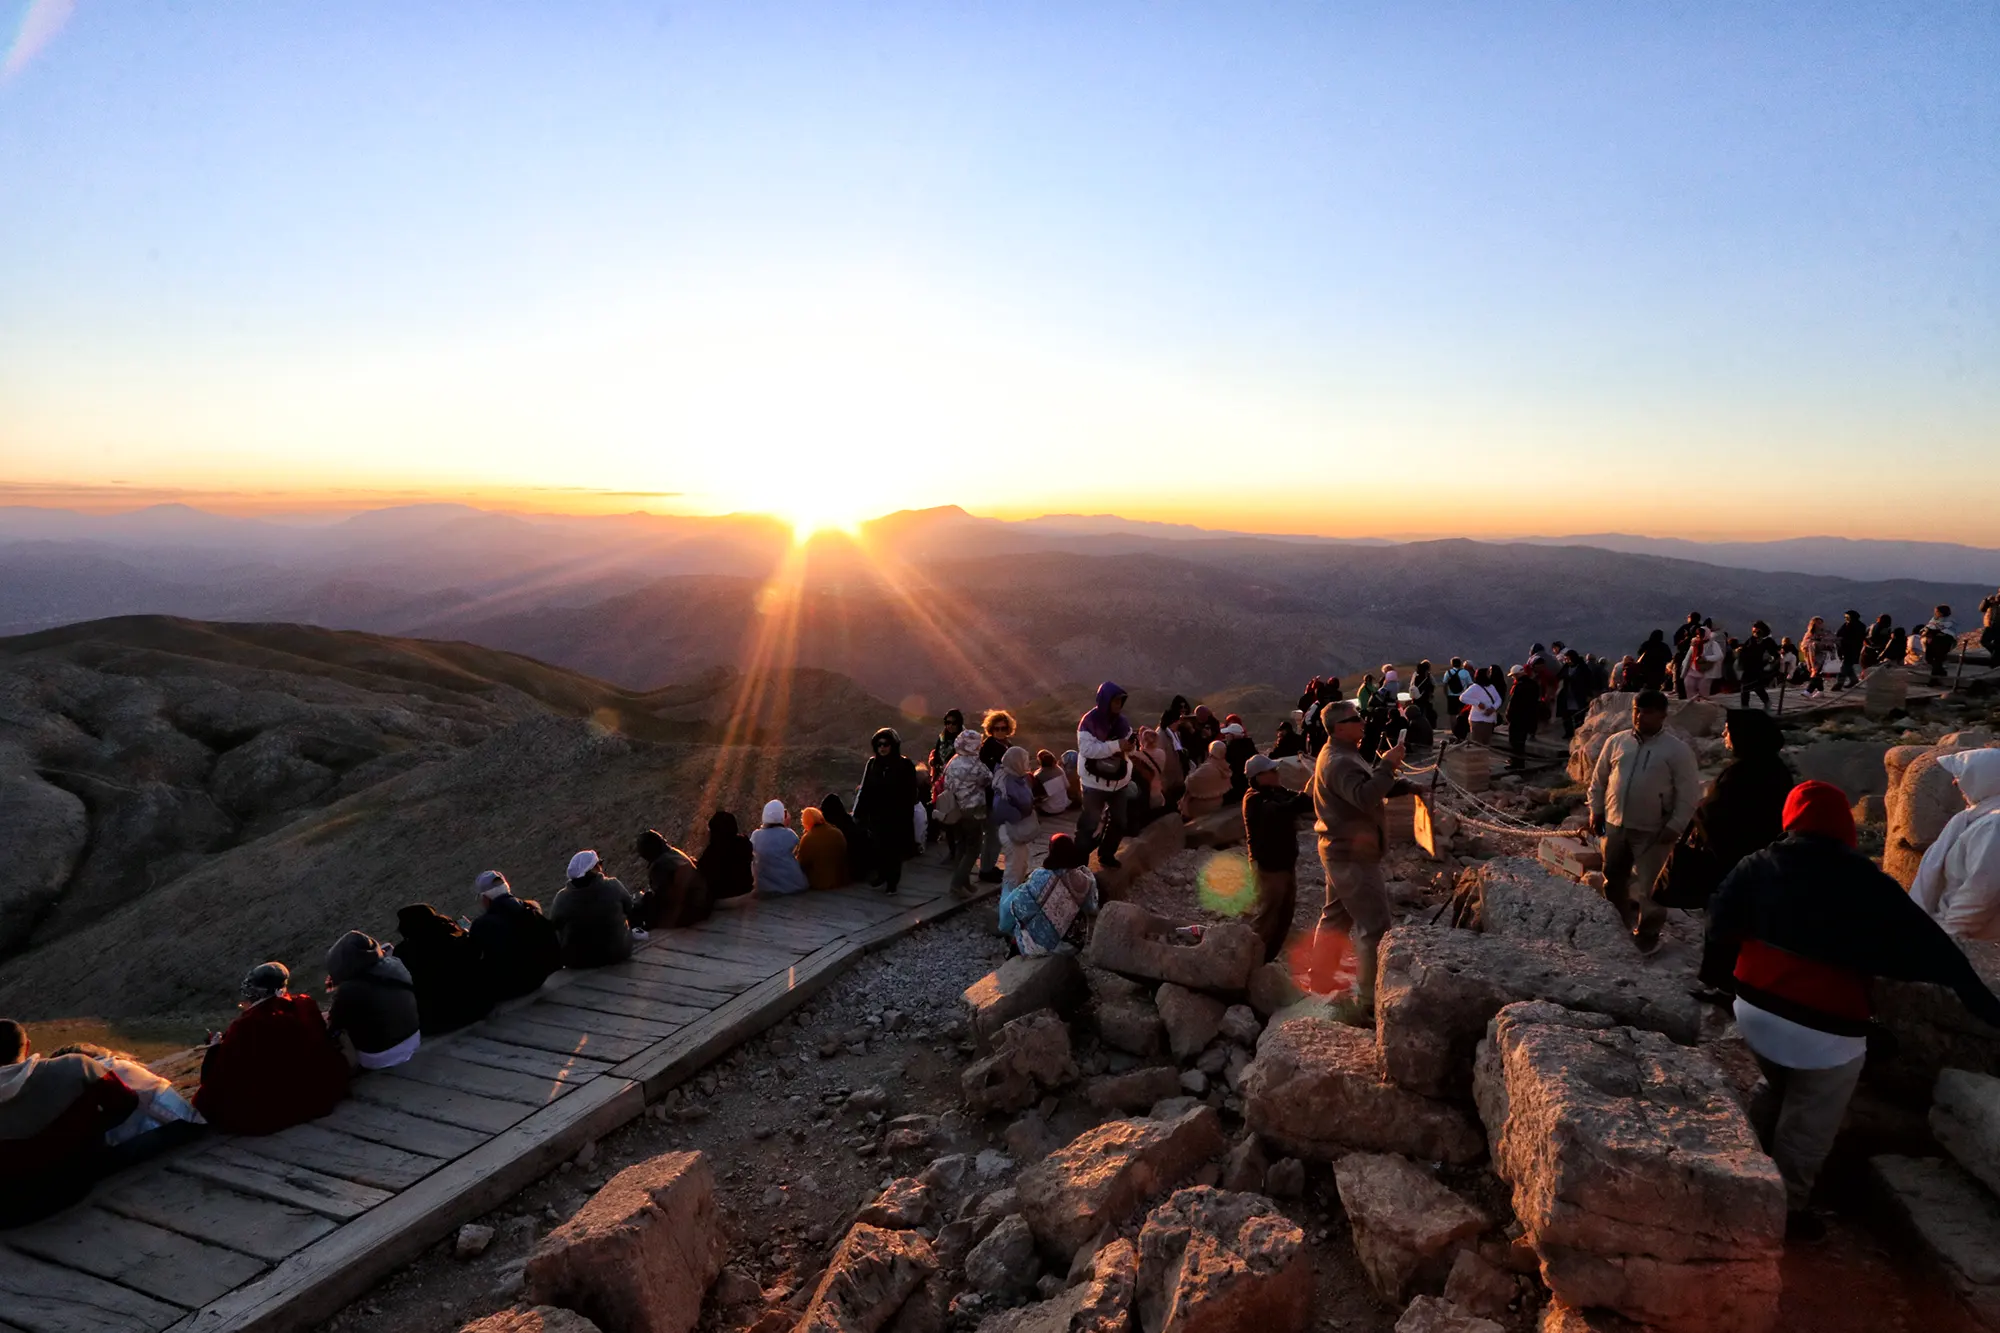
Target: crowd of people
pixel 1751 847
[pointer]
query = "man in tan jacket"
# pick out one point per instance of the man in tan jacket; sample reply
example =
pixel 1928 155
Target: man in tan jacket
pixel 1348 792
pixel 1643 792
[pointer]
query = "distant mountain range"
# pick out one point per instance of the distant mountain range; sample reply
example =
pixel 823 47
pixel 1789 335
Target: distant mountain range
pixel 939 603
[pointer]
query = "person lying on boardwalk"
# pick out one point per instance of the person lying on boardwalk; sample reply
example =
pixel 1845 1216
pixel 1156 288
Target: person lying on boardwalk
pixel 54 1114
pixel 276 1065
pixel 443 964
pixel 163 1117
pixel 822 852
pixel 676 894
pixel 1271 833
pixel 590 914
pixel 727 862
pixel 775 848
pixel 518 948
pixel 374 1002
pixel 1046 913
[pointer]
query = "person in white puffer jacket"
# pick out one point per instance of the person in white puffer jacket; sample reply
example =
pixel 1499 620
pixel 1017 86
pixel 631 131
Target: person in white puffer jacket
pixel 1958 881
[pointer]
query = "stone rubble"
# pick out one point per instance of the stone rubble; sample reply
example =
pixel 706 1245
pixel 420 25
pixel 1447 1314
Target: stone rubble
pixel 1314 1091
pixel 1105 1173
pixel 1408 1228
pixel 1212 1261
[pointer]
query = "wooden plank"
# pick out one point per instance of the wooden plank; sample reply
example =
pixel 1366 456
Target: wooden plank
pixel 299 1292
pixel 442 1070
pixel 615 1025
pixel 645 983
pixel 332 1153
pixel 205 1211
pixel 281 1182
pixel 45 1298
pixel 687 1051
pixel 730 978
pixel 609 1000
pixel 454 1108
pixel 717 949
pixel 479 1050
pixel 523 1031
pixel 149 1259
pixel 764 932
pixel 399 1129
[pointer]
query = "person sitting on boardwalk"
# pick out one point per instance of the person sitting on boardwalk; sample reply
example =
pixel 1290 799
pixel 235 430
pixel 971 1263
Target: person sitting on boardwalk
pixel 1208 785
pixel 860 847
pixel 883 806
pixel 1271 833
pixel 275 1066
pixel 443 963
pixel 1796 933
pixel 822 852
pixel 1051 784
pixel 727 863
pixel 775 848
pixel 163 1119
pixel 518 948
pixel 1045 913
pixel 54 1114
pixel 590 914
pixel 374 1002
pixel 675 893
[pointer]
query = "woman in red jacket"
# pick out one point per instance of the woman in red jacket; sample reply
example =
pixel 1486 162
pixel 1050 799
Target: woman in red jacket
pixel 276 1066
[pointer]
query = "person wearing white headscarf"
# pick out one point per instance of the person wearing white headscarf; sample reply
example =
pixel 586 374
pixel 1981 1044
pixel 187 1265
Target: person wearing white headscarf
pixel 1958 881
pixel 774 855
pixel 592 913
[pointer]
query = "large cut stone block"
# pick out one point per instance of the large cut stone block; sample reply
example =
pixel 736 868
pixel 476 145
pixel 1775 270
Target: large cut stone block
pixel 640 1255
pixel 1314 1090
pixel 1523 900
pixel 1212 1261
pixel 1020 986
pixel 1965 1117
pixel 1408 1228
pixel 1932 1029
pixel 1955 1221
pixel 869 1277
pixel 1635 1173
pixel 1031 1055
pixel 1105 1173
pixel 1131 940
pixel 1440 986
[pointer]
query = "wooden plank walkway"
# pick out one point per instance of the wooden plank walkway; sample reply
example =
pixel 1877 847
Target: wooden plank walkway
pixel 264 1235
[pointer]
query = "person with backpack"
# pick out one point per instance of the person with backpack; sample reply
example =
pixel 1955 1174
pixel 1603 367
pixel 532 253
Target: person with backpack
pixel 443 964
pixel 968 786
pixel 518 948
pixel 1104 745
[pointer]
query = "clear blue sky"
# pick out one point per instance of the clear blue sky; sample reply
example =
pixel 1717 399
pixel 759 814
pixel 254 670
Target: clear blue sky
pixel 1703 269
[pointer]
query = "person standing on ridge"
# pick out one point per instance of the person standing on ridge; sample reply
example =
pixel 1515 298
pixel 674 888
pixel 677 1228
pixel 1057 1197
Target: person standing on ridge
pixel 1349 795
pixel 1940 636
pixel 1524 715
pixel 1104 760
pixel 1650 662
pixel 997 731
pixel 1643 791
pixel 883 805
pixel 1848 641
pixel 1271 835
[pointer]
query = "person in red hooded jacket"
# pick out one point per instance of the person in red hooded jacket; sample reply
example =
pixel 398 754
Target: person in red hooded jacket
pixel 276 1065
pixel 1795 932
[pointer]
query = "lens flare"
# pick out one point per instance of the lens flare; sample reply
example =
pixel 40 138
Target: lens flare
pixel 1321 961
pixel 39 26
pixel 1225 885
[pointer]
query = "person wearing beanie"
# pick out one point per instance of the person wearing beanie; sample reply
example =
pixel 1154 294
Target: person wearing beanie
pixel 374 1002
pixel 774 851
pixel 1271 835
pixel 1796 933
pixel 675 893
pixel 516 946
pixel 592 915
pixel 443 963
pixel 1643 791
pixel 1349 794
pixel 884 805
pixel 822 850
pixel 275 1065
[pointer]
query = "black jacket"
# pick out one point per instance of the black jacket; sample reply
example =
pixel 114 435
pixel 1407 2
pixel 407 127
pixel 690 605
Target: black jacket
pixel 518 948
pixel 883 804
pixel 725 864
pixel 1271 825
pixel 444 965
pixel 1821 900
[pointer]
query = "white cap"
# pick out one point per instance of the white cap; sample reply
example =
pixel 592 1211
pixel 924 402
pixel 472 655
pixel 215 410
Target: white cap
pixel 491 884
pixel 774 812
pixel 1234 729
pixel 582 863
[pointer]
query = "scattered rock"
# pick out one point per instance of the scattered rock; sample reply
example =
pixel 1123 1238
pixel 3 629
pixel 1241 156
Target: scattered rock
pixel 585 1155
pixel 1211 1261
pixel 1245 1169
pixel 1031 1056
pixel 947 1174
pixel 1954 1220
pixel 1240 1024
pixel 1192 1020
pixel 874 1097
pixel 539 1319
pixel 1636 1175
pixel 1194 1082
pixel 1407 1226
pixel 1020 986
pixel 903 1206
pixel 1965 1117
pixel 1558 1317
pixel 1313 1090
pixel 472 1240
pixel 1130 1023
pixel 929 1311
pixel 734 1286
pixel 1029 1137
pixel 1932 1031
pixel 1105 1173
pixel 1173 1108
pixel 872 1273
pixel 1476 1285
pixel 1005 1261
pixel 1131 940
pixel 1428 1314
pixel 1134 1091
pixel 1286 1179
pixel 1272 988
pixel 639 1256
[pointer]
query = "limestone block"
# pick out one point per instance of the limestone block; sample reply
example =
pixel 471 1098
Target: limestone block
pixel 1105 1173
pixel 539 1319
pixel 1193 1020
pixel 1020 986
pixel 1954 1220
pixel 1314 1091
pixel 1408 1228
pixel 871 1274
pixel 640 1255
pixel 1965 1117
pixel 1134 1091
pixel 1213 1261
pixel 1131 940
pixel 1031 1056
pixel 1429 1314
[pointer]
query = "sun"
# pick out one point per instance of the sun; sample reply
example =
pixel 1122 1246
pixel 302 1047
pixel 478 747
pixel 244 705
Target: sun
pixel 825 509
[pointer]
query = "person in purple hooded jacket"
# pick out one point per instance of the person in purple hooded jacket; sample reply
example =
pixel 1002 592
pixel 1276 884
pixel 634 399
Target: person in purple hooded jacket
pixel 1104 769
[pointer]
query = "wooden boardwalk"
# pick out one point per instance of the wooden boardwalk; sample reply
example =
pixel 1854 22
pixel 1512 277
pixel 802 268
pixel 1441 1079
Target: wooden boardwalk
pixel 277 1233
